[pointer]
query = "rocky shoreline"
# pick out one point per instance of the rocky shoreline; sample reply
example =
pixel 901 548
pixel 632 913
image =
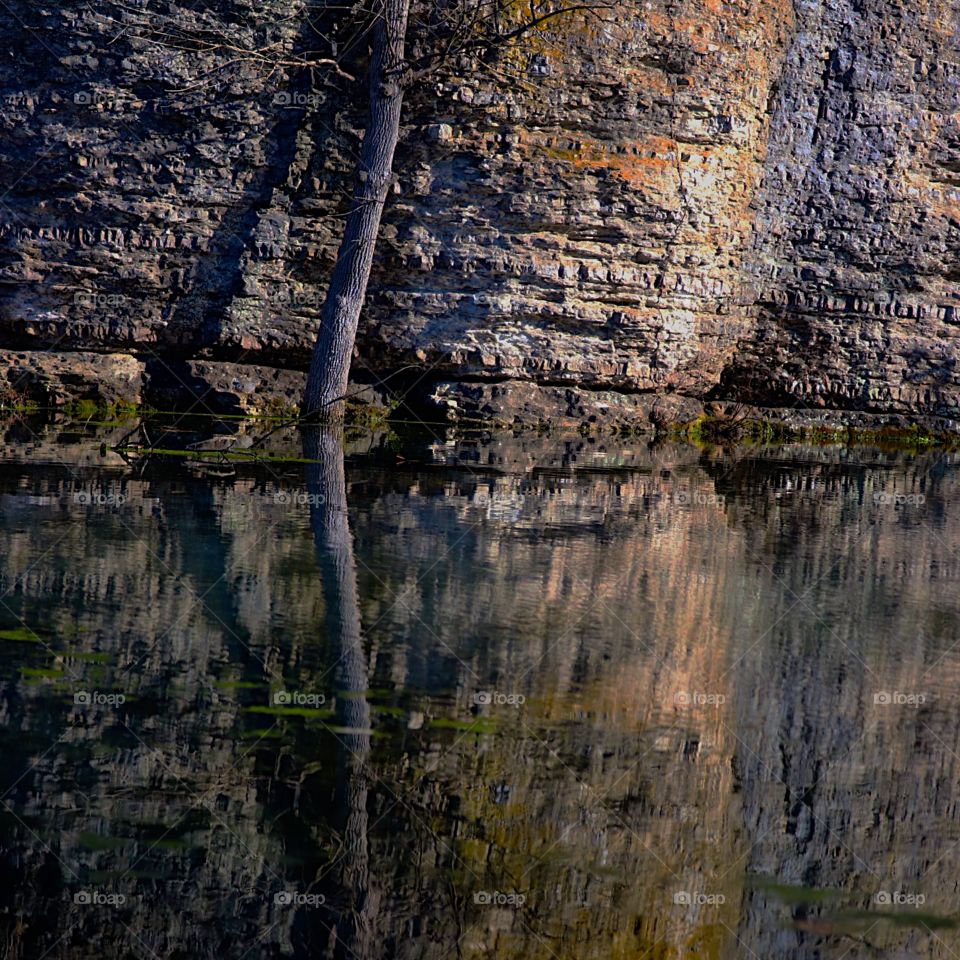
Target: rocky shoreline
pixel 123 383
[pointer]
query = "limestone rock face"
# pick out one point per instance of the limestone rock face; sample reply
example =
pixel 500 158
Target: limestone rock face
pixel 856 243
pixel 55 379
pixel 752 200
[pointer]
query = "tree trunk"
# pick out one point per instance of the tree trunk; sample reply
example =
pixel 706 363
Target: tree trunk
pixel 330 366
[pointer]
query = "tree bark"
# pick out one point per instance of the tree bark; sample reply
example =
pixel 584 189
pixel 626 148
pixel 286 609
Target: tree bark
pixel 330 366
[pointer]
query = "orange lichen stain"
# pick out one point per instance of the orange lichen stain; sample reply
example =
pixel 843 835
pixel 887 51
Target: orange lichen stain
pixel 658 22
pixel 649 80
pixel 944 206
pixel 940 18
pixel 556 36
pixel 941 201
pixel 777 19
pixel 694 27
pixel 647 164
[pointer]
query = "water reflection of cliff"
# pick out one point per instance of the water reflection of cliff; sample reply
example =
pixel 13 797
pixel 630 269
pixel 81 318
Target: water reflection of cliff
pixel 699 641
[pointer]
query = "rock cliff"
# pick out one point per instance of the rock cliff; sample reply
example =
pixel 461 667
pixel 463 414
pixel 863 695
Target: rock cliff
pixel 743 200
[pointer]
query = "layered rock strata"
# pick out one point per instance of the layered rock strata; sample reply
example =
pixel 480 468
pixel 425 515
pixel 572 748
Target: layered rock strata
pixel 752 201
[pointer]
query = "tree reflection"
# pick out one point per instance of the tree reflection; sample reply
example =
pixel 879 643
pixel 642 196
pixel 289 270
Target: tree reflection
pixel 329 521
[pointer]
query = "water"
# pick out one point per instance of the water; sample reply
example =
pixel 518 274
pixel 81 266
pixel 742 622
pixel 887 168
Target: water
pixel 500 697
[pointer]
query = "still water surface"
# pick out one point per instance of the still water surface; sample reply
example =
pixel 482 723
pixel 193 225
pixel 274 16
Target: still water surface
pixel 501 697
